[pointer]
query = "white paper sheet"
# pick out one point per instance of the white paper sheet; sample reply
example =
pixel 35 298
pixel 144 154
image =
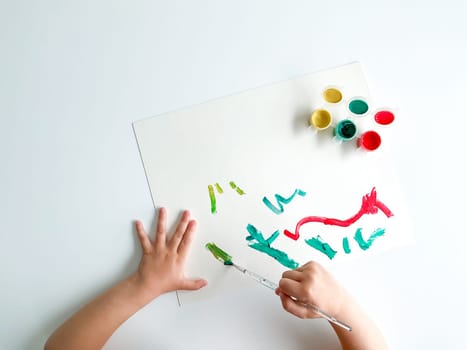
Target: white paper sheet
pixel 261 140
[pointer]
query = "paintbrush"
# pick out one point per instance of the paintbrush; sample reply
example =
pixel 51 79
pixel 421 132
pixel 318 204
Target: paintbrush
pixel 226 259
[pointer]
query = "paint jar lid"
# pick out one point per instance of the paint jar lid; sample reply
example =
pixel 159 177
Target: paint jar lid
pixel 358 106
pixel 332 94
pixel 384 116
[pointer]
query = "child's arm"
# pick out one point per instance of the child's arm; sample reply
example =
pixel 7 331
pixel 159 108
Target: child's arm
pixel 312 284
pixel 161 270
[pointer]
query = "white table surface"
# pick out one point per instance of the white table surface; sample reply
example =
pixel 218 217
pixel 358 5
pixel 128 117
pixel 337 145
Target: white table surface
pixel 74 75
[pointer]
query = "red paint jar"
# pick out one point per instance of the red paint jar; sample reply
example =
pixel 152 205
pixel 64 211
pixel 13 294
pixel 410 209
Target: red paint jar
pixel 369 140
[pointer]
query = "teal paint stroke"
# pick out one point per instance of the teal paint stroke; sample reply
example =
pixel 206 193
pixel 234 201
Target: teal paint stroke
pixel 263 245
pixel 345 245
pixel 277 254
pixel 323 247
pixel 281 200
pixel 364 245
pixel 255 234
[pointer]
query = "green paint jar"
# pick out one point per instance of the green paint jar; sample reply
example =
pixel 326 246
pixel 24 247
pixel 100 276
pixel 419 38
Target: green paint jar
pixel 345 130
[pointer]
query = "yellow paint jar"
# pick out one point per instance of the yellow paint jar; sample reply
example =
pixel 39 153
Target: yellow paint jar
pixel 320 119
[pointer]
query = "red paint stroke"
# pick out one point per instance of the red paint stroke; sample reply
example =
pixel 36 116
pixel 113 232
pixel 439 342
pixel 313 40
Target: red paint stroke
pixel 370 205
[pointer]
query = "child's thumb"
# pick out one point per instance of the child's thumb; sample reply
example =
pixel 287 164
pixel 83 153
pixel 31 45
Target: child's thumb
pixel 193 284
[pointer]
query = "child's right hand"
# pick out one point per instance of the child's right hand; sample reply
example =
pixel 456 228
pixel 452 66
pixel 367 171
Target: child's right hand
pixel 310 284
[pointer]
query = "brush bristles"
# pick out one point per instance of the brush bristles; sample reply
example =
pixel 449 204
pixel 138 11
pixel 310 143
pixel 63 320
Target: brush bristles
pixel 219 254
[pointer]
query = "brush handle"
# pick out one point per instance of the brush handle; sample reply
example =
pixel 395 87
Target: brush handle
pixel 273 286
pixel 328 317
pixel 258 278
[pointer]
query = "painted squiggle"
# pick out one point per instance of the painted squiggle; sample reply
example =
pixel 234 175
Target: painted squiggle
pixel 323 247
pixel 257 235
pixel 281 200
pixel 264 245
pixel 370 205
pixel 212 198
pixel 345 245
pixel 236 188
pixel 364 245
pixel 219 188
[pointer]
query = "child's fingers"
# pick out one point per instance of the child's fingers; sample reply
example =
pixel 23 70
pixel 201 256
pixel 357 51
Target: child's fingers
pixel 179 231
pixel 305 266
pixel 293 275
pixel 185 244
pixel 161 227
pixel 143 237
pixel 290 287
pixel 292 306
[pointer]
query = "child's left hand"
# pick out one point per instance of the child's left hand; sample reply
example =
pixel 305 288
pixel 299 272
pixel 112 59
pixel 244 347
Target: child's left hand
pixel 162 265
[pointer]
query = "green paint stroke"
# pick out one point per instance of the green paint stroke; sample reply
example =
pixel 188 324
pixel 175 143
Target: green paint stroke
pixel 219 254
pixel 323 247
pixel 345 245
pixel 219 188
pixel 281 200
pixel 368 243
pixel 212 197
pixel 264 246
pixel 236 188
